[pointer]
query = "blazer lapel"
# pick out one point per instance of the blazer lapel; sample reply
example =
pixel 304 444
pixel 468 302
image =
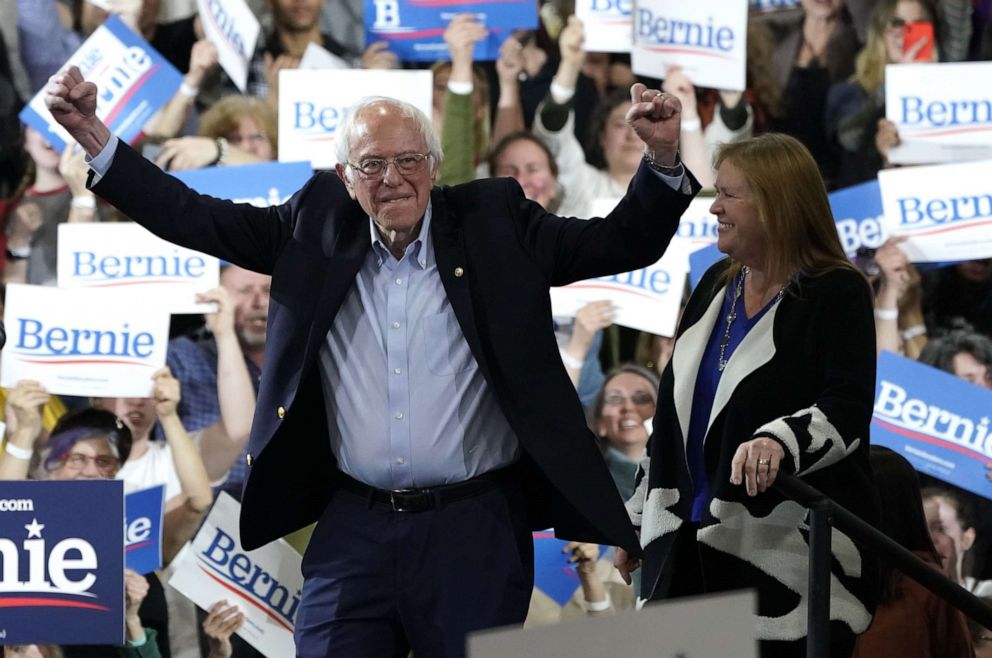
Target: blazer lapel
pixel 455 272
pixel 686 357
pixel 757 349
pixel 345 241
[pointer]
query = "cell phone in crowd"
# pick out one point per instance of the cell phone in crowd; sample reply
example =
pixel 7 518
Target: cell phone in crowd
pixel 912 34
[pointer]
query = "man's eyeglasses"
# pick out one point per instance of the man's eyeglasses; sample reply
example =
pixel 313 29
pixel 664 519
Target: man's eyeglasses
pixel 106 464
pixel 406 164
pixel 638 398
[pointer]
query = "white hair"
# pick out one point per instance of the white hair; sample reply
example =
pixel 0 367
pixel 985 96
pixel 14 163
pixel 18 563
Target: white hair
pixel 351 125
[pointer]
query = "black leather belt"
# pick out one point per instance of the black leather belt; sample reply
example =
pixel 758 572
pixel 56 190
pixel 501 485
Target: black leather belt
pixel 428 498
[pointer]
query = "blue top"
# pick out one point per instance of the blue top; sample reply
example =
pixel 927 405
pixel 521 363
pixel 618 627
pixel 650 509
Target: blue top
pixel 707 380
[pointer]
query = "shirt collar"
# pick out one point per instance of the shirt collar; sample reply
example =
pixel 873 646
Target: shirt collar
pixel 421 249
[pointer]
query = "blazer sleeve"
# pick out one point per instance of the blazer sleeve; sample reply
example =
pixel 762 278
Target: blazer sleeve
pixel 239 233
pixel 634 235
pixel 843 349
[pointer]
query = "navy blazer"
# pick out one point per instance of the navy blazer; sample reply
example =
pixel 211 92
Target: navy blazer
pixel 497 255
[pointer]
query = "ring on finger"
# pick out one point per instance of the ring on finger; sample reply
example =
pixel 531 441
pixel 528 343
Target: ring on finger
pixel 764 462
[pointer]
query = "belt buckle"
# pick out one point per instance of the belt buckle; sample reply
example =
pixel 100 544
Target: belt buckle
pixel 410 500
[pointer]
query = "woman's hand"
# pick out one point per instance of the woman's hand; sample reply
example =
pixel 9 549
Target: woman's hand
pixel 187 153
pixel 166 392
pixel 886 137
pixel 894 265
pixel 23 412
pixel 626 564
pixel 756 462
pixel 222 620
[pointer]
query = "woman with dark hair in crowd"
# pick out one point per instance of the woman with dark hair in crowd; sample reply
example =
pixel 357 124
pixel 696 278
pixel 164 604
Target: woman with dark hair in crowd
pixel 911 621
pixel 950 516
pixel 621 417
pixel 964 354
pixel 773 368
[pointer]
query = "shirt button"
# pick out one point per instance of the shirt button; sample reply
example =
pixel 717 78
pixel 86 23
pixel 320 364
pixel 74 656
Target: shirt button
pixel 281 412
pixel 400 461
pixel 249 459
pixel 396 325
pixel 397 371
pixel 398 415
pixel 459 271
pixel 399 282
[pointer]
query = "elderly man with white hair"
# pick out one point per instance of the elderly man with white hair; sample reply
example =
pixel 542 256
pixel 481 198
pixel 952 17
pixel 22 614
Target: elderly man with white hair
pixel 413 399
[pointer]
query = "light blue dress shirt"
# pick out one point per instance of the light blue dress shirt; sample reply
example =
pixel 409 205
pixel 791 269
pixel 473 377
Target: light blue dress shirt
pixel 407 405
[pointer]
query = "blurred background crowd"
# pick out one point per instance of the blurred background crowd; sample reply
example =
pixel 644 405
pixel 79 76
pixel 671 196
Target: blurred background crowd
pixel 547 113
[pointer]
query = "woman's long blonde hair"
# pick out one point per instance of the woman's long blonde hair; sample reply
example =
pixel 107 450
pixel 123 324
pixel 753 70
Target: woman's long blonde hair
pixel 791 202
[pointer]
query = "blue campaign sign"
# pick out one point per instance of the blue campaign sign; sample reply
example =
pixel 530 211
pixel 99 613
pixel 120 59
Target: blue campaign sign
pixel 62 562
pixel 700 261
pixel 133 81
pixel 553 573
pixel 265 184
pixel 938 422
pixel 143 529
pixel 415 28
pixel 858 215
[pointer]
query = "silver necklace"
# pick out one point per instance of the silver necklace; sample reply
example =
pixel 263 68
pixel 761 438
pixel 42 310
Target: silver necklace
pixel 738 290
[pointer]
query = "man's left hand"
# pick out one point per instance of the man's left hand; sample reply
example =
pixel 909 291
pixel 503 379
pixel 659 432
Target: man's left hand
pixel 656 117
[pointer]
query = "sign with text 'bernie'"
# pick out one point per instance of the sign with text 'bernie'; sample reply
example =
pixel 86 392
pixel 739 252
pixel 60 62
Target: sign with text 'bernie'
pixel 265 583
pixel 707 38
pixel 62 562
pixel 858 214
pixel 314 103
pixel 262 185
pixel 126 257
pixel 133 81
pixel 415 28
pixel 608 25
pixel 940 105
pixel 232 27
pixel 648 299
pixel 553 573
pixel 83 342
pixel 944 210
pixel 143 529
pixel 938 422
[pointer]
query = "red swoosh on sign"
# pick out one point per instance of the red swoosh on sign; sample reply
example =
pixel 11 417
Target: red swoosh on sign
pixel 22 602
pixel 600 286
pixel 62 362
pixel 688 51
pixel 945 229
pixel 247 598
pixel 930 439
pixel 131 92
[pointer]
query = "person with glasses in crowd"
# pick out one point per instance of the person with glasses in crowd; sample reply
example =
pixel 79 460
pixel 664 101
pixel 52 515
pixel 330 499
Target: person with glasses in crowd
pixel 413 398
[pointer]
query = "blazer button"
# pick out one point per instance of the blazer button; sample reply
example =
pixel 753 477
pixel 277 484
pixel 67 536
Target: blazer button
pixel 249 459
pixel 281 412
pixel 459 271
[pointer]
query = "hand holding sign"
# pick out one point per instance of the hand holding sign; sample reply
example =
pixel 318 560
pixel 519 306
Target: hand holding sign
pixel 379 56
pixel 203 58
pixel 72 101
pixel 221 323
pixel 461 36
pixel 656 117
pixel 165 392
pixel 135 590
pixel 222 620
pixel 23 412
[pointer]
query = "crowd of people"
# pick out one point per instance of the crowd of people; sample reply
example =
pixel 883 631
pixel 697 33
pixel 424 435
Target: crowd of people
pixel 727 405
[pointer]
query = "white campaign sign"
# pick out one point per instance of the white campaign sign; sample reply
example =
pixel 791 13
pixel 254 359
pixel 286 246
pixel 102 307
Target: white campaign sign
pixel 313 103
pixel 698 224
pixel 647 299
pixel 318 57
pixel 707 38
pixel 126 257
pixel 83 342
pixel 944 210
pixel 943 111
pixel 608 25
pixel 265 583
pixel 232 27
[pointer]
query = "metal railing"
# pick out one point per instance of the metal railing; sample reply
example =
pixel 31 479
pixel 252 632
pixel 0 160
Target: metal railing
pixel 824 513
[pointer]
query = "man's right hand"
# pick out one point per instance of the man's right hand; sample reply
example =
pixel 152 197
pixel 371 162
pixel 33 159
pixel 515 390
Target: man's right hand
pixel 72 101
